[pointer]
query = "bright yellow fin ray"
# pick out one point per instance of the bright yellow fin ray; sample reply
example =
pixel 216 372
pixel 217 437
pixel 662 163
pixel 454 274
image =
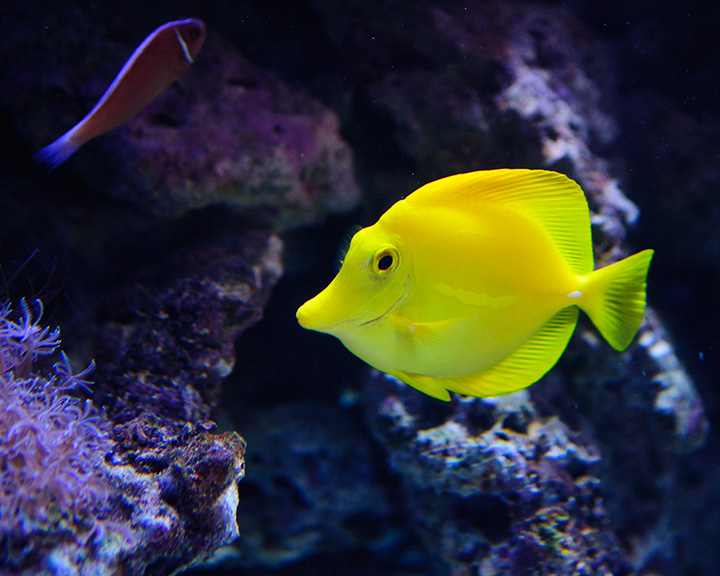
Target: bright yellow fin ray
pixel 426 384
pixel 523 367
pixel 616 298
pixel 551 199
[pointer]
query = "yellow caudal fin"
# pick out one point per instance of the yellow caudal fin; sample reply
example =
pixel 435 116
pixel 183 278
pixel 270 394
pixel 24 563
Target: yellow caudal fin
pixel 614 298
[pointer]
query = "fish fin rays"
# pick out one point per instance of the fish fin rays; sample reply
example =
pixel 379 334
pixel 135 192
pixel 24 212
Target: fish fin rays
pixel 57 152
pixel 519 370
pixel 426 384
pixel 618 307
pixel 551 199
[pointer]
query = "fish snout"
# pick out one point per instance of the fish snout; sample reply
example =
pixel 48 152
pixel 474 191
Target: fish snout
pixel 313 314
pixel 304 315
pixel 323 312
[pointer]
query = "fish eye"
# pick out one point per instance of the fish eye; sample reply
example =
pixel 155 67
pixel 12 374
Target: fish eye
pixel 195 33
pixel 385 261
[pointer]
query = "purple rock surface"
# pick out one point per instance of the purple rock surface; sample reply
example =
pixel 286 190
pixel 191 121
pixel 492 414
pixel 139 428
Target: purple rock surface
pixel 236 136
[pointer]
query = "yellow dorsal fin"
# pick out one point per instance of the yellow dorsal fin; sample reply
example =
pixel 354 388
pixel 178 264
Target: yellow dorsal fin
pixel 551 199
pixel 523 367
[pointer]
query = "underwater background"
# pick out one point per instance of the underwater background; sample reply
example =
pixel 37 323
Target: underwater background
pixel 175 250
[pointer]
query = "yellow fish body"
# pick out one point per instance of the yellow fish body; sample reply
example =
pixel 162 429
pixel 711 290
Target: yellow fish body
pixel 472 284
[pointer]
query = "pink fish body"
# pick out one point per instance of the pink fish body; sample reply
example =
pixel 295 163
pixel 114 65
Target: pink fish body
pixel 162 58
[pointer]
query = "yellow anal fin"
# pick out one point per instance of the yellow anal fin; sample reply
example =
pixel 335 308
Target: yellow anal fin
pixel 519 370
pixel 426 384
pixel 523 367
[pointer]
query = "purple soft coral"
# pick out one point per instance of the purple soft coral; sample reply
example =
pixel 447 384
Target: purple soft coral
pixel 51 444
pixel 23 341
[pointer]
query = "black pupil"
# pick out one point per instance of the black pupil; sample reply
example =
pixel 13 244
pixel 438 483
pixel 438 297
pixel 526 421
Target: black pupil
pixel 385 262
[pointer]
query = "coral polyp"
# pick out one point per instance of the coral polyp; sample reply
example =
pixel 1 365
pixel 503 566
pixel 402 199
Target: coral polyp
pixel 52 441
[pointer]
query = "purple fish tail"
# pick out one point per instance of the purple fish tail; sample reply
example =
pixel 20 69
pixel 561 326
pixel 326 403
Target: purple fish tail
pixel 56 153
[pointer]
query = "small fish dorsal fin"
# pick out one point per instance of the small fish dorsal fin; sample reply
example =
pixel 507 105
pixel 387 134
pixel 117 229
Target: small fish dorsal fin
pixel 551 199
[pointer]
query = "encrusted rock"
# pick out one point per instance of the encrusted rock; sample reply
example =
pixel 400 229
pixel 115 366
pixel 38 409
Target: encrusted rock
pixel 170 344
pixel 494 487
pixel 313 487
pixel 177 485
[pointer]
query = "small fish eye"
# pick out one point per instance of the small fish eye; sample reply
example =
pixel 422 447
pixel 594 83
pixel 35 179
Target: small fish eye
pixel 195 33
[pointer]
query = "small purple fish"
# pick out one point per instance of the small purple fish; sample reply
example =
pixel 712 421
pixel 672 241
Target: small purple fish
pixel 161 59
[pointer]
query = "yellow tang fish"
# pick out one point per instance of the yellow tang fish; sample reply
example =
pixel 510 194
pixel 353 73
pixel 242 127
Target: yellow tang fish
pixel 472 284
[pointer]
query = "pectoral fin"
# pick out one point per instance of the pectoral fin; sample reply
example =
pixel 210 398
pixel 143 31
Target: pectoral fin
pixel 426 332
